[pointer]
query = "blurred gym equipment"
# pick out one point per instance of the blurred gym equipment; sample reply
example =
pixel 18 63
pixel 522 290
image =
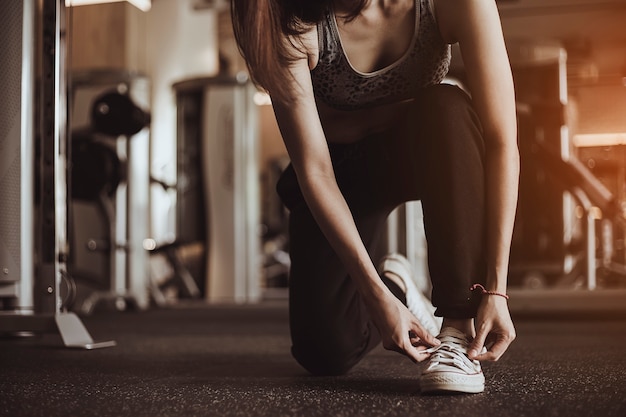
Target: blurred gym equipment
pixel 17 139
pixel 229 159
pixel 34 297
pixel 109 189
pixel 568 219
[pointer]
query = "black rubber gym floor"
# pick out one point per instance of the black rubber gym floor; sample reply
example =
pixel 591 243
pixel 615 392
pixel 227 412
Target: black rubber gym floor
pixel 235 361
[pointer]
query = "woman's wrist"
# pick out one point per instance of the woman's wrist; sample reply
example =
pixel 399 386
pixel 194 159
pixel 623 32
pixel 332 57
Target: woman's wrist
pixel 496 281
pixel 372 290
pixel 486 292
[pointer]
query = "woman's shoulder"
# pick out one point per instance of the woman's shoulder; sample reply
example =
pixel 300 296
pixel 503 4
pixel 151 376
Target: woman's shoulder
pixel 305 44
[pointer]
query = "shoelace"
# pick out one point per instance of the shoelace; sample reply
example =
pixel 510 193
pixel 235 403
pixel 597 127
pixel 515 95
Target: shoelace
pixel 452 352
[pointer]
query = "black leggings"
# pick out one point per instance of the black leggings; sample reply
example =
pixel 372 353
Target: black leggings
pixel 436 156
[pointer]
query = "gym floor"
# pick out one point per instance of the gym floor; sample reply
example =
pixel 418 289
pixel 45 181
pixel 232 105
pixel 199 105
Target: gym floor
pixel 199 360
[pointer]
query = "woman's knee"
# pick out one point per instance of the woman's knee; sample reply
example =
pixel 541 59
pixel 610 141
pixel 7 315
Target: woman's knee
pixel 322 363
pixel 446 108
pixel 328 352
pixel 326 360
pixel 444 98
pixel 446 123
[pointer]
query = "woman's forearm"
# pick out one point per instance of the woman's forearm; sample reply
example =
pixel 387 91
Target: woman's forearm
pixel 502 178
pixel 334 218
pixel 476 26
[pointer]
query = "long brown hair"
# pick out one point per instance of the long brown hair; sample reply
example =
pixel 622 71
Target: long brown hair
pixel 260 28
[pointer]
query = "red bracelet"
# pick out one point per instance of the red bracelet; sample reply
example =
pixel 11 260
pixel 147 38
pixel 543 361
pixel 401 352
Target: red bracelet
pixel 484 291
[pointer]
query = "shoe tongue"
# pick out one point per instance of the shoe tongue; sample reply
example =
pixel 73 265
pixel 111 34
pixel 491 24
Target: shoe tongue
pixel 450 334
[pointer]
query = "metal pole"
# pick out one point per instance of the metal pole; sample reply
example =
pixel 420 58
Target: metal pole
pixel 53 194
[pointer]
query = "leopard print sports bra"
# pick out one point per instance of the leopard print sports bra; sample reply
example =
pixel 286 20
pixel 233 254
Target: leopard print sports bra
pixel 339 85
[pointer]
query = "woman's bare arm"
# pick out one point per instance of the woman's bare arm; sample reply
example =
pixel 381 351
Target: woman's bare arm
pixel 475 25
pixel 306 144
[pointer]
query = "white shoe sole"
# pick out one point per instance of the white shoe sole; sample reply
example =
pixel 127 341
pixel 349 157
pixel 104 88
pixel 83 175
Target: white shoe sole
pixel 452 382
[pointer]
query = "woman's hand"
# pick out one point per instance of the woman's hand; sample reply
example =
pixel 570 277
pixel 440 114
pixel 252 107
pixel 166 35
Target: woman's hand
pixel 399 328
pixel 494 329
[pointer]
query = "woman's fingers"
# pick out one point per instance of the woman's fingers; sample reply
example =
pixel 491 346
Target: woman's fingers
pixel 421 340
pixel 494 330
pixel 413 345
pixel 477 344
pixel 416 354
pixel 495 351
pixel 429 339
pixel 401 332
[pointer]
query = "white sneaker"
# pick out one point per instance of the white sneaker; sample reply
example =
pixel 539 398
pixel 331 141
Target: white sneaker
pixel 416 301
pixel 449 369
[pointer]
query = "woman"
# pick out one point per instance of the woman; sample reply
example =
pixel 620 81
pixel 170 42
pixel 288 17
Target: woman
pixel 355 86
